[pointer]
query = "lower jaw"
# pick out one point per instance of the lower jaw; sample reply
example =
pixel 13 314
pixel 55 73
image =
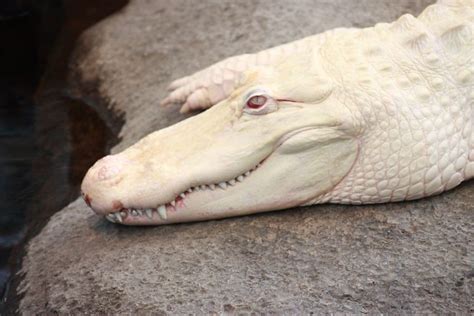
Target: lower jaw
pixel 141 218
pixel 172 217
pixel 143 221
pixel 201 210
pixel 174 214
pixel 188 215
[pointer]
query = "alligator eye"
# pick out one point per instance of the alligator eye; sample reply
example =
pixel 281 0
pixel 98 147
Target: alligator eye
pixel 256 102
pixel 260 102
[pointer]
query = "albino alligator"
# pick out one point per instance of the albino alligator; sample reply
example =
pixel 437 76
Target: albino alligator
pixel 349 116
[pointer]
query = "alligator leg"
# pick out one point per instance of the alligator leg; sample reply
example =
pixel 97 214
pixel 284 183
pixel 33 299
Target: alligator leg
pixel 211 85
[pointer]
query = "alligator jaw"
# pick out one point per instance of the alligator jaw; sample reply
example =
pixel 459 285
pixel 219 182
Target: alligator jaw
pixel 165 213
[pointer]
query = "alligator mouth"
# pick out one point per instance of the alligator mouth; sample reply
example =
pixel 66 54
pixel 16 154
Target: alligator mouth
pixel 161 212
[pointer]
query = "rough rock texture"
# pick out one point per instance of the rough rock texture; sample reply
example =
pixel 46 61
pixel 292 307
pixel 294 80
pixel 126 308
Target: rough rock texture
pixel 398 258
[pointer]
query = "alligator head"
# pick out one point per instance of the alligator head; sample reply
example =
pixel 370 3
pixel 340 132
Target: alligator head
pixel 272 144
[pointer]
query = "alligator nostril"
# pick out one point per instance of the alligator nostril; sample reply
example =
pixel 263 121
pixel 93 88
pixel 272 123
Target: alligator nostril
pixel 109 167
pixel 105 173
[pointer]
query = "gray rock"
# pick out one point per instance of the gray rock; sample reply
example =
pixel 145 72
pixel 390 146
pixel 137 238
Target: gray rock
pixel 395 258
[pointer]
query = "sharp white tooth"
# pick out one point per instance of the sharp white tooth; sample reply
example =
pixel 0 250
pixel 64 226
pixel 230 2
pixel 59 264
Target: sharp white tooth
pixel 212 186
pixel 140 212
pixel 231 182
pixel 196 188
pixel 247 173
pixel 149 213
pixel 240 178
pixel 190 190
pixel 118 216
pixel 162 211
pixel 182 195
pixel 223 185
pixel 123 213
pixel 173 203
pixel 203 187
pixel 134 213
pixel 110 217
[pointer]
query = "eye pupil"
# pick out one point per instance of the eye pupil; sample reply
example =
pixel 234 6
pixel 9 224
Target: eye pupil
pixel 256 102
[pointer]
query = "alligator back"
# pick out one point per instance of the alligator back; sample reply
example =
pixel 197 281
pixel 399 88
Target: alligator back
pixel 411 82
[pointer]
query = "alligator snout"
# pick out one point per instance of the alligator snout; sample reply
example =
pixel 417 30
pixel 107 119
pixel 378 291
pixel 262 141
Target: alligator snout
pixel 103 175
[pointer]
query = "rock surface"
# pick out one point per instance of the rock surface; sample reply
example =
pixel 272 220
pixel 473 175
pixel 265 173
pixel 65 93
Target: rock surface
pixel 396 258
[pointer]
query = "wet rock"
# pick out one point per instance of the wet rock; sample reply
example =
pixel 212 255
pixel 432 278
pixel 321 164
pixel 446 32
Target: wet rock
pixel 395 258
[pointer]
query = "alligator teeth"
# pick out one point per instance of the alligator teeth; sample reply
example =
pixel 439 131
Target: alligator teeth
pixel 231 182
pixel 247 173
pixel 190 190
pixel 223 185
pixel 173 203
pixel 134 213
pixel 149 213
pixel 118 216
pixel 162 211
pixel 111 217
pixel 212 186
pixel 182 195
pixel 240 178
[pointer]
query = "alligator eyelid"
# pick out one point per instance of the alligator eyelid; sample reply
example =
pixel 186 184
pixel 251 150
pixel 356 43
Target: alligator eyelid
pixel 256 91
pixel 288 100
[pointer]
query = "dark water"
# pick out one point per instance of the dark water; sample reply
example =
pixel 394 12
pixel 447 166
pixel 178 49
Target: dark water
pixel 47 138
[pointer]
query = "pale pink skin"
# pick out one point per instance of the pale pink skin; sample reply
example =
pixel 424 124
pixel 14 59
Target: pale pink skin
pixel 389 118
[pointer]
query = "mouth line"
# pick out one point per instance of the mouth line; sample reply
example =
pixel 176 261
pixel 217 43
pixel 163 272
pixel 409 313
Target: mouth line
pixel 161 211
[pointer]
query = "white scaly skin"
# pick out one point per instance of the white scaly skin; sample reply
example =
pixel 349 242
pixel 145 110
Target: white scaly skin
pixel 348 116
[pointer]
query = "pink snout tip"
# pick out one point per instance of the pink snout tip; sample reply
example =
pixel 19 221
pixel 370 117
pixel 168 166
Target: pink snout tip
pixel 98 184
pixel 108 167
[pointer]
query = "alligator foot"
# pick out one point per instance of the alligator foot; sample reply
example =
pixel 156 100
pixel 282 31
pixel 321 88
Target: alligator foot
pixel 209 86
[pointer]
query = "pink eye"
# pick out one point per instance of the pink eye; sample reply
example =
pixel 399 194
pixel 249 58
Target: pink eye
pixel 256 102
